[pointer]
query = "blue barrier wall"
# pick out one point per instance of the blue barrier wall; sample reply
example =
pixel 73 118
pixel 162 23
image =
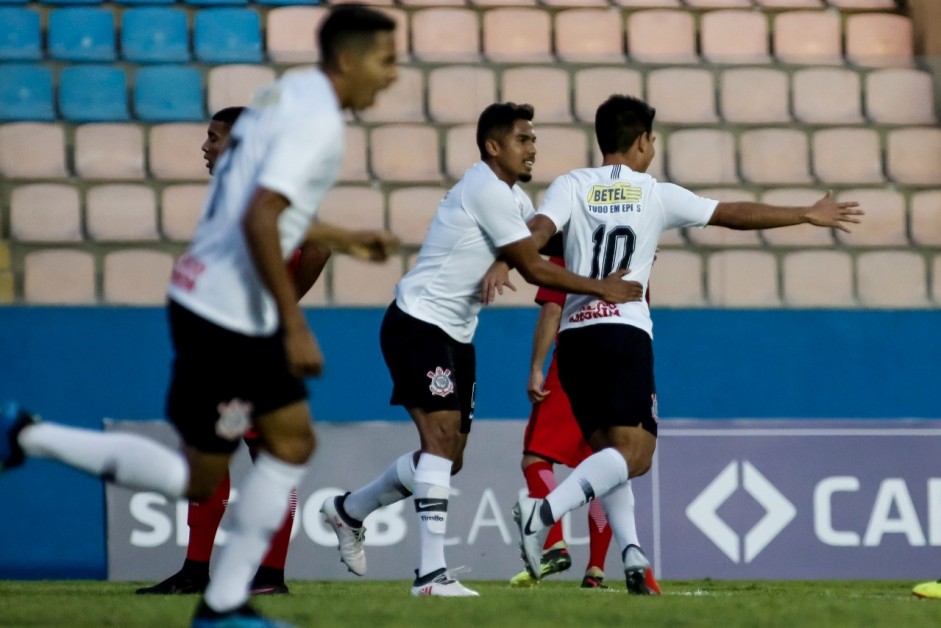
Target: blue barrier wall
pixel 80 365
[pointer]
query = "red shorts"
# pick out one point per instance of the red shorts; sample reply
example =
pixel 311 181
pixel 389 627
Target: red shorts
pixel 552 432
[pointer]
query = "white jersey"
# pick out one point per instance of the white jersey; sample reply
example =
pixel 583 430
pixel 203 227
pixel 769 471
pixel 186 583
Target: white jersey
pixel 612 218
pixel 480 214
pixel 290 141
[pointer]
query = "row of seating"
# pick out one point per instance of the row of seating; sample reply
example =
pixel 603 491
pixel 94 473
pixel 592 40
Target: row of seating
pixel 845 5
pixel 450 34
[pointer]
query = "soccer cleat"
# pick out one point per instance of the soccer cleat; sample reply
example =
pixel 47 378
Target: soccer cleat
pixel 243 617
pixel 525 512
pixel 350 539
pixel 12 421
pixel 269 581
pixel 594 579
pixel 553 561
pixel 638 573
pixel 928 590
pixel 181 583
pixel 440 583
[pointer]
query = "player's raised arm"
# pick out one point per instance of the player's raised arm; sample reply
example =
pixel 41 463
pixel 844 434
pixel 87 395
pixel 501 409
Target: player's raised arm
pixel 826 212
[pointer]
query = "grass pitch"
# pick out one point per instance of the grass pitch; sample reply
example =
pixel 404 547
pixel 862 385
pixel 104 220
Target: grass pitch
pixel 381 604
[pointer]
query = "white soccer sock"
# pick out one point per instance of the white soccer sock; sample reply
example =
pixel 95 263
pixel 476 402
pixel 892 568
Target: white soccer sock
pixel 259 513
pixel 432 488
pixel 594 477
pixel 395 484
pixel 128 460
pixel 619 506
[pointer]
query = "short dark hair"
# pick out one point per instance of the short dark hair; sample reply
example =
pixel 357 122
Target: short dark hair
pixel 350 25
pixel 620 120
pixel 228 116
pixel 497 120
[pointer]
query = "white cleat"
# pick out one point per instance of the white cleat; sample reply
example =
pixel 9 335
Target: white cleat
pixel 525 512
pixel 350 539
pixel 440 583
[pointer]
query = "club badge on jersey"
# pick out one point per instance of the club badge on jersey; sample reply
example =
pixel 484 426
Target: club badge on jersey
pixel 441 383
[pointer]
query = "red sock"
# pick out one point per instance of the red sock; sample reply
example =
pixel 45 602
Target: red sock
pixel 599 535
pixel 540 480
pixel 203 520
pixel 278 552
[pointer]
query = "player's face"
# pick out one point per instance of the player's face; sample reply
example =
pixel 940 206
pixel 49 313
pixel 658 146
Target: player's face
pixel 217 135
pixel 372 71
pixel 517 152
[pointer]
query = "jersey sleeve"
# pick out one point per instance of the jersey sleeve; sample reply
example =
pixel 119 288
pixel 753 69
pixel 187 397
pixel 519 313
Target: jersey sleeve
pixel 493 205
pixel 548 295
pixel 557 204
pixel 682 208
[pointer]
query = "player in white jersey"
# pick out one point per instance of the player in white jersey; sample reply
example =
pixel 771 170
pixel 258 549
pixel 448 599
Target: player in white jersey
pixel 612 218
pixel 427 331
pixel 242 344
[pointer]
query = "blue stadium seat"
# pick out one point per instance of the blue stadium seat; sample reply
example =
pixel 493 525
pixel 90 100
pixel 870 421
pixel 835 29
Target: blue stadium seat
pixel 13 1
pixel 284 3
pixel 154 35
pixel 81 34
pixel 25 92
pixel 227 36
pixel 19 34
pixel 93 93
pixel 71 1
pixel 142 2
pixel 216 3
pixel 168 93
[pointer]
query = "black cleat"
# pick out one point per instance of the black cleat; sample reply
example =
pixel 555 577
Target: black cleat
pixel 183 582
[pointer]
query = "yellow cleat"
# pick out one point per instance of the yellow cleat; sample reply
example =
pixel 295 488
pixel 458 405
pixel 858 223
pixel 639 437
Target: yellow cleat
pixel 928 590
pixel 556 559
pixel 523 580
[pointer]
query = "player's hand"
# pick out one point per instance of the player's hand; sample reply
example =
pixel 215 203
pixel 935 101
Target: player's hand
pixel 616 290
pixel 303 352
pixel 496 278
pixel 534 389
pixel 829 213
pixel 373 246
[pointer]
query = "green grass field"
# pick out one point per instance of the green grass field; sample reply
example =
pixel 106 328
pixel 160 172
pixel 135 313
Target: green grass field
pixel 375 604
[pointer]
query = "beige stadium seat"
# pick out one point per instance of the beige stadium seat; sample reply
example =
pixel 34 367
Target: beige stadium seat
pixel 403 101
pixel 364 283
pixel 425 3
pixel 565 4
pixel 111 151
pixel 847 156
pixel 649 4
pixel 174 151
pixel 808 37
pixel 661 36
pixel 676 279
pixel 517 35
pixel 790 4
pixel 734 36
pixel 776 156
pixel 59 277
pixel 594 85
pixel 461 152
pixel 682 95
pixel 892 279
pixel 121 213
pixel 411 211
pixel 855 5
pixel 879 40
pixel 884 222
pixel 827 96
pixel 900 96
pixel 701 156
pixel 545 88
pixel 719 4
pixel 804 235
pixel 446 34
pixel 818 279
pixel 742 279
pixel 926 218
pixel 136 277
pixel 525 294
pixel 552 162
pixel 180 210
pixel 404 152
pixel 460 93
pixel 354 167
pixel 754 96
pixel 503 3
pixel 589 36
pixel 913 156
pixel 720 236
pixel 353 207
pixel 235 85
pixel 32 150
pixel 45 213
pixel 290 31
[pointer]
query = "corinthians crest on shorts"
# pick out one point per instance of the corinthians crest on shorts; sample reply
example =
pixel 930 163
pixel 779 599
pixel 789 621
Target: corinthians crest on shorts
pixel 441 383
pixel 234 418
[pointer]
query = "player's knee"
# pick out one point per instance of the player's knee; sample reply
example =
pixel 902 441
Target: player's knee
pixel 639 465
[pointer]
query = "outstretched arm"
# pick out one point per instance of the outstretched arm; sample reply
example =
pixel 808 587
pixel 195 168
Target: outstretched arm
pixel 364 244
pixel 824 213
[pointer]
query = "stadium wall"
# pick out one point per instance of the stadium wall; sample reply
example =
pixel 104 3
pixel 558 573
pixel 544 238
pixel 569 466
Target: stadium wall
pixel 79 365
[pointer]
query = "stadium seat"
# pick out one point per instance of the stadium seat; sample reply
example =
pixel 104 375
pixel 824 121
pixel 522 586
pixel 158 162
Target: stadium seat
pixel 411 210
pixel 589 36
pixel 774 156
pixel 545 88
pixel 594 85
pixel 227 36
pixel 32 150
pixel 682 95
pixel 568 4
pixel 701 156
pixel 926 219
pixel 551 162
pixel 648 4
pixel 168 93
pixel 678 277
pixel 109 151
pixel 460 93
pixel 235 85
pixel 353 167
pixel 25 92
pixel 59 277
pixel 357 206
pixel 402 102
pixel 364 283
pixel 424 3
pixel 754 96
pixel 818 279
pixel 742 279
pixel 879 40
pixel 517 35
pixel 900 96
pixel 404 152
pixel 808 37
pixel 445 34
pixel 855 5
pixel 289 38
pixel 847 156
pixel 719 4
pixel 883 225
pixel 720 236
pixel 279 3
pixel 174 151
pixel 20 35
pixel 121 213
pixel 827 96
pixel 661 36
pixel 892 279
pixel 734 36
pixel 180 209
pixel 136 277
pixel 155 35
pixel 144 2
pixel 45 212
pixel 913 156
pixel 790 4
pixel 81 34
pixel 216 3
pixel 91 93
pixel 804 235
pixel 71 2
pixel 460 150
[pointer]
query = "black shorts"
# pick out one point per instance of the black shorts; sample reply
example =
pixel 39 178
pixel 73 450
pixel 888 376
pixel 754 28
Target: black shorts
pixel 429 369
pixel 222 379
pixel 607 372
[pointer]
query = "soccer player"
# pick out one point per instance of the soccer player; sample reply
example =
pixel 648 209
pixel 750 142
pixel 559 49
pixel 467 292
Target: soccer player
pixel 612 217
pixel 427 332
pixel 241 341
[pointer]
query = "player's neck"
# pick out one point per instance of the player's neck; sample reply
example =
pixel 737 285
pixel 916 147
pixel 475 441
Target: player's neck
pixel 623 159
pixel 340 88
pixel 507 177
